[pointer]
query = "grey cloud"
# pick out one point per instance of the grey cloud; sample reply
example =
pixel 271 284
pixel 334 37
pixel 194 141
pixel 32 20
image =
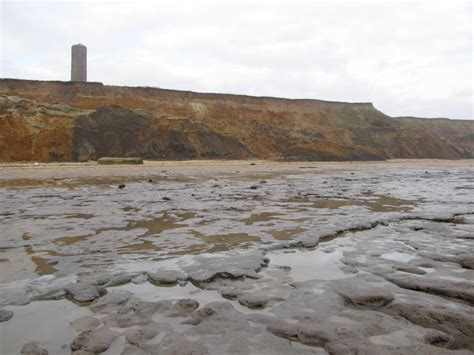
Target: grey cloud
pixel 409 59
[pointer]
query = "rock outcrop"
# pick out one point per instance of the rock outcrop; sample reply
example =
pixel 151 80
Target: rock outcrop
pixel 72 121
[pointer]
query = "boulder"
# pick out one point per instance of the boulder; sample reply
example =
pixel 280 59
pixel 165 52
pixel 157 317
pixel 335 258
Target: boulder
pixel 120 279
pixel 85 151
pixel 110 301
pixel 139 335
pixel 253 300
pixel 82 292
pixel 183 308
pixel 226 266
pixel 14 297
pixel 166 277
pixel 127 318
pixel 313 334
pixel 95 341
pixel 51 294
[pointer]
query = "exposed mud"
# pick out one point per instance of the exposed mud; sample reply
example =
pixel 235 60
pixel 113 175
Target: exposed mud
pixel 357 259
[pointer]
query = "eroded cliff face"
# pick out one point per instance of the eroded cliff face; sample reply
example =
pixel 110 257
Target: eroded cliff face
pixel 115 131
pixel 64 121
pixel 31 131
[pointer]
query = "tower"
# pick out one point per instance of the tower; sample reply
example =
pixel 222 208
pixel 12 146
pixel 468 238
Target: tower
pixel 78 62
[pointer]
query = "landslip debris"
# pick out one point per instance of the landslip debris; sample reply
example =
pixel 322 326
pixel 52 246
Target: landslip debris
pixel 119 161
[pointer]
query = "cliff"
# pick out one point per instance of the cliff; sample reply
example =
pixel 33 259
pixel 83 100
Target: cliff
pixel 64 121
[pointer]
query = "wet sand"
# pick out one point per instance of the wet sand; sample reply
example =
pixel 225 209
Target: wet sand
pixel 39 171
pixel 259 257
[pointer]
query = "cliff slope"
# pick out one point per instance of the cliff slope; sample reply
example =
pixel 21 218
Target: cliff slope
pixel 64 121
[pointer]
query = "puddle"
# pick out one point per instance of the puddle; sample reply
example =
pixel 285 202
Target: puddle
pixel 18 183
pixel 144 245
pixel 130 209
pixel 157 225
pixel 38 321
pixel 80 215
pixel 152 227
pixel 17 265
pixel 310 264
pixel 391 204
pixel 378 204
pixel 333 204
pixel 397 256
pixel 322 203
pixel 224 242
pixel 261 217
pixel 70 240
pixel 149 292
pixel 42 265
pixel 286 234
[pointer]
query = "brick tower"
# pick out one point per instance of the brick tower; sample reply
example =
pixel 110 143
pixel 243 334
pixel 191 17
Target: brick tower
pixel 78 62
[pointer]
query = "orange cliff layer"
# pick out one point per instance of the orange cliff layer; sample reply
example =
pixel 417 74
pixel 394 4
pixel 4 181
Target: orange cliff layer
pixel 69 121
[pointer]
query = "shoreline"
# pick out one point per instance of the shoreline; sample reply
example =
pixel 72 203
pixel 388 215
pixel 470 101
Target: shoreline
pixel 39 171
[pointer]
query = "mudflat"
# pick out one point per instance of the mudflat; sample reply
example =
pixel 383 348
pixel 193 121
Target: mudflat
pixel 253 257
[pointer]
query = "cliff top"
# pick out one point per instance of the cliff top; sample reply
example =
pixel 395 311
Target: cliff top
pixel 183 93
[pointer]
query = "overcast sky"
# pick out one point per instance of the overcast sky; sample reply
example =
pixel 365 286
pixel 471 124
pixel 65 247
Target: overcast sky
pixel 407 58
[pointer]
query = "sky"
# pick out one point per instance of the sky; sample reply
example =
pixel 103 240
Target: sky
pixel 407 58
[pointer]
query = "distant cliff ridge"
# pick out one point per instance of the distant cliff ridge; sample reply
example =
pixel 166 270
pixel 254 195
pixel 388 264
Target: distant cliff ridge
pixel 69 121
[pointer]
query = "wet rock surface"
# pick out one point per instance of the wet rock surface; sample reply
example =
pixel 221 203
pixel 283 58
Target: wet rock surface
pixel 366 292
pixel 33 348
pixel 166 277
pixel 140 335
pixel 5 315
pixel 82 292
pixel 94 341
pixel 85 323
pixel 379 263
